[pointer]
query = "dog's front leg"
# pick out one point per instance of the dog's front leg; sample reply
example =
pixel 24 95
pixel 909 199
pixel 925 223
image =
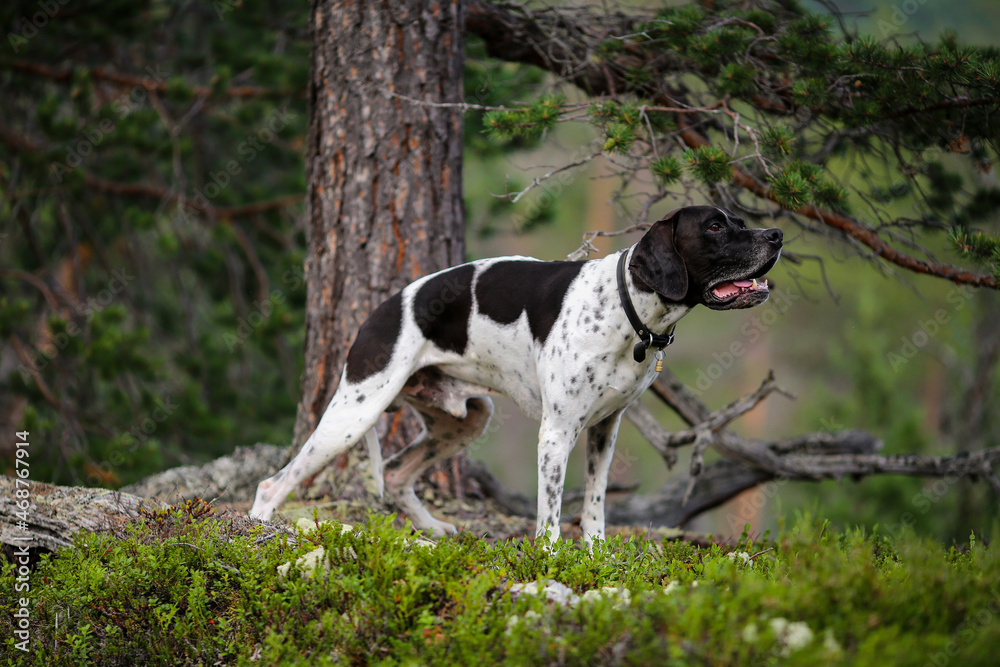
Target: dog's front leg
pixel 601 439
pixel 554 445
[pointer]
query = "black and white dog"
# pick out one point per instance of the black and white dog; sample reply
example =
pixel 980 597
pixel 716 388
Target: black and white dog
pixel 565 341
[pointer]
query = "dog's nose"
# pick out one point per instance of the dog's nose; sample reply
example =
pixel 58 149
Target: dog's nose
pixel 773 236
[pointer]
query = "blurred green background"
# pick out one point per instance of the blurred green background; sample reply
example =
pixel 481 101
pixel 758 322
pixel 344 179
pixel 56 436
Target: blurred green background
pixel 859 349
pixel 208 330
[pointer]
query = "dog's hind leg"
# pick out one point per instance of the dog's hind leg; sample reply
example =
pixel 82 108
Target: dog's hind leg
pixel 453 417
pixel 352 412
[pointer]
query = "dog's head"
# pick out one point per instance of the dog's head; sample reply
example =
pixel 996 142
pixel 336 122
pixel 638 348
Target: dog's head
pixel 706 255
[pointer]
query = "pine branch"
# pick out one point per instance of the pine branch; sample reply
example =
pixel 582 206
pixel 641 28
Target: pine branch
pixel 149 83
pixel 28 362
pixel 36 282
pixel 562 42
pixel 852 228
pixel 944 105
pixel 141 190
pixel 171 196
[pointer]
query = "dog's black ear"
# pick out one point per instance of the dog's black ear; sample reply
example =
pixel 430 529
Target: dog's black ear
pixel 656 262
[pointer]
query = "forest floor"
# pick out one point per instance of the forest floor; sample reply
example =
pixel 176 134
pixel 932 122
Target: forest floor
pixel 483 518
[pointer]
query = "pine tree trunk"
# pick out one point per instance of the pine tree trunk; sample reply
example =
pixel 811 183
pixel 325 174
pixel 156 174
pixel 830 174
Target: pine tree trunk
pixel 384 176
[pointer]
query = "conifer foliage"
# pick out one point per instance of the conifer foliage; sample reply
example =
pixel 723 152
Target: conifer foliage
pixel 151 289
pixel 151 248
pixel 776 111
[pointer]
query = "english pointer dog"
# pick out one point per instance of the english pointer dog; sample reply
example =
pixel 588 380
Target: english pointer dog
pixel 566 341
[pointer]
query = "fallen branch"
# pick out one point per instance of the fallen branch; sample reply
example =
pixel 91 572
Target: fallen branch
pixel 724 480
pixel 811 458
pixel 722 418
pixel 718 483
pixel 230 478
pixel 708 424
pixel 516 504
pixel 54 514
pixel 673 392
pixel 836 466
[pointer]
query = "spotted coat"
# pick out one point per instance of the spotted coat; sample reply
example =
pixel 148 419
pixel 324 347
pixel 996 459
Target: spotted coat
pixel 552 336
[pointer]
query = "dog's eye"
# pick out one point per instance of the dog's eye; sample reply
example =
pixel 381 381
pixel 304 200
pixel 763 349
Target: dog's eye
pixel 715 227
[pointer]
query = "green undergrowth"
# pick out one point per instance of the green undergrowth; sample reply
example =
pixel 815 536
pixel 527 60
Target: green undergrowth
pixel 189 587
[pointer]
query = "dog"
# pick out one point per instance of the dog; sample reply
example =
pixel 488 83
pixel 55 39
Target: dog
pixel 565 340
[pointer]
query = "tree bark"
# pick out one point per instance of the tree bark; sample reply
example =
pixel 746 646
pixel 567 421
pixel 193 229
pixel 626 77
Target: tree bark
pixel 384 200
pixel 54 514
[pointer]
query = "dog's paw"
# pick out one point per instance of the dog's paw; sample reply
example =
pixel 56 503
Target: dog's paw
pixel 261 513
pixel 436 528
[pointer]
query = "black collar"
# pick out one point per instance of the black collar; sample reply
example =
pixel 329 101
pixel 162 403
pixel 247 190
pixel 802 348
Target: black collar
pixel 646 337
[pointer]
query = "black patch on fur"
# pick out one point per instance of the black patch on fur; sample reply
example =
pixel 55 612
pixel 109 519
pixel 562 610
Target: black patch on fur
pixel 657 265
pixel 376 340
pixel 507 289
pixel 442 308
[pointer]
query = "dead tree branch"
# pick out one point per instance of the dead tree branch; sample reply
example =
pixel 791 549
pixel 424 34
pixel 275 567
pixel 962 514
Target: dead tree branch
pixel 748 463
pixel 55 513
pixel 722 418
pixel 810 457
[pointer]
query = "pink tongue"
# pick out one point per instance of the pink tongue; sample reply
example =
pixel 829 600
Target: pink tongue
pixel 743 283
pixel 727 289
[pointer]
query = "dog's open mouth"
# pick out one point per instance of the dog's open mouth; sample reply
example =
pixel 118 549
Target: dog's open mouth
pixel 735 288
pixel 736 294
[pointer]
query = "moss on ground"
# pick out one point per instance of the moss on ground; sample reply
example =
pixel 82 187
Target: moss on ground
pixel 188 587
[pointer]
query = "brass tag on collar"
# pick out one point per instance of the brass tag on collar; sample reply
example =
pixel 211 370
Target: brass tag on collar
pixel 659 361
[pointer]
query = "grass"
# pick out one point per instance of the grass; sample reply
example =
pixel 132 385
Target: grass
pixel 189 587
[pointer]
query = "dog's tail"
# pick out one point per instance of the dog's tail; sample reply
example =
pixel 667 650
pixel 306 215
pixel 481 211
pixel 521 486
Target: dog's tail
pixel 375 456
